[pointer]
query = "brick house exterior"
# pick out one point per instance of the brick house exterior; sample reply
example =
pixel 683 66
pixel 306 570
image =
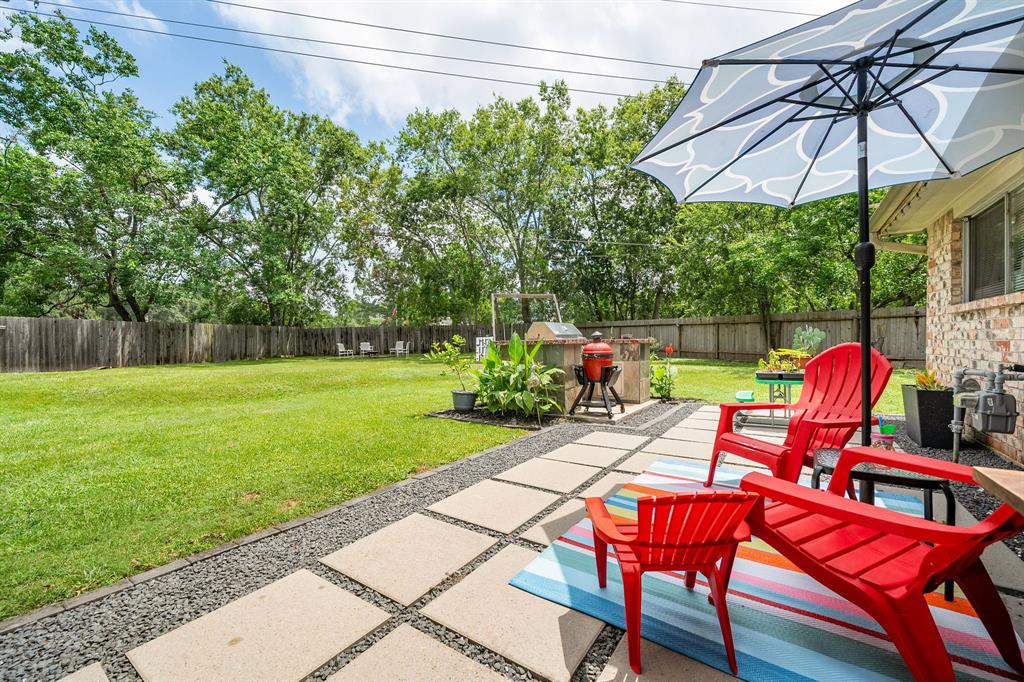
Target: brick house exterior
pixel 961 332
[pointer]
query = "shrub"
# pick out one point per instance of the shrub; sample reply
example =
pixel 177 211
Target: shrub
pixel 520 384
pixel 449 353
pixel 663 379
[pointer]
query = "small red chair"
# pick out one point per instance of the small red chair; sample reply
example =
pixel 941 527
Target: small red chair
pixel 886 562
pixel 826 415
pixel 688 532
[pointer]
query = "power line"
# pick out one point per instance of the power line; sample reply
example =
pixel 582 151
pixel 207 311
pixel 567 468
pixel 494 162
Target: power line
pixel 312 54
pixel 743 7
pixel 449 36
pixel 353 45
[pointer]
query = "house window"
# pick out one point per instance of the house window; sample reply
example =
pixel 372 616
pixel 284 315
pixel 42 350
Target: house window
pixel 995 248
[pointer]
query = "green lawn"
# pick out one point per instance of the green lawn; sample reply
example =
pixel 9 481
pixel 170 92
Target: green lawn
pixel 717 382
pixel 107 473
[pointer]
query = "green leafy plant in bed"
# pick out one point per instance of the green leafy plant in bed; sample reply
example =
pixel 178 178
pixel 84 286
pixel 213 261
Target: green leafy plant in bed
pixel 518 385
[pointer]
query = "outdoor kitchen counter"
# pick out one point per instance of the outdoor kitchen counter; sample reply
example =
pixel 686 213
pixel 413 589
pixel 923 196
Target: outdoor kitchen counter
pixel 634 385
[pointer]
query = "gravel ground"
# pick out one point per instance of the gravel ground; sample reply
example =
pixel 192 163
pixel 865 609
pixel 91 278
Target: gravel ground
pixel 107 628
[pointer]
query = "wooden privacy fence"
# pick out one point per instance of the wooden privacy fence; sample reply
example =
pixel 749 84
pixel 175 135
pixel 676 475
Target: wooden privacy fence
pixel 29 344
pixel 43 344
pixel 898 332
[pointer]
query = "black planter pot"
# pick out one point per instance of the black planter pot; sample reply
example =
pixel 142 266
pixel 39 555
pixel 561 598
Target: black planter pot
pixel 463 401
pixel 928 416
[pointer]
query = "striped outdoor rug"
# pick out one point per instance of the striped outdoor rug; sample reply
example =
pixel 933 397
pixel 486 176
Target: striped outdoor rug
pixel 786 626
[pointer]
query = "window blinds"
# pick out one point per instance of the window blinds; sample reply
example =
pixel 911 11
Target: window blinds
pixel 987 262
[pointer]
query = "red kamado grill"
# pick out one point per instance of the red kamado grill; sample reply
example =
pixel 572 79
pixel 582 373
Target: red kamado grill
pixel 597 370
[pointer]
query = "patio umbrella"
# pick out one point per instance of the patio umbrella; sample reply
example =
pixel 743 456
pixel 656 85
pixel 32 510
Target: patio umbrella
pixel 878 93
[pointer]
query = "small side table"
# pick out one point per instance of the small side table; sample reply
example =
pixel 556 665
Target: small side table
pixel 869 474
pixel 780 387
pixel 1006 484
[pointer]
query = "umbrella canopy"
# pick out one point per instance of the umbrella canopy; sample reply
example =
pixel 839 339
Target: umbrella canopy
pixel 878 93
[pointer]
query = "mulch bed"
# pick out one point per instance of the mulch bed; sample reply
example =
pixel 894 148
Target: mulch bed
pixel 511 421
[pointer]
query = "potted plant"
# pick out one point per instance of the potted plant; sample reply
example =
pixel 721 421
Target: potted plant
pixel 449 353
pixel 783 361
pixel 929 410
pixel 808 340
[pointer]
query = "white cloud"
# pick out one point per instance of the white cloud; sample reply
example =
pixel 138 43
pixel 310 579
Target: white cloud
pixel 654 31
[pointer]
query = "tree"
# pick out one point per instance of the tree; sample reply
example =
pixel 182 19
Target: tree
pixel 610 229
pixel 287 193
pixel 488 183
pixel 104 232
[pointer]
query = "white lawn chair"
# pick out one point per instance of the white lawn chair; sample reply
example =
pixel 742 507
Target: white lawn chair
pixel 366 349
pixel 345 352
pixel 399 349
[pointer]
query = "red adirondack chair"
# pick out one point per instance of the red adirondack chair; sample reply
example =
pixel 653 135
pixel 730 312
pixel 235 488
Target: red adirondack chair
pixel 826 415
pixel 884 561
pixel 688 532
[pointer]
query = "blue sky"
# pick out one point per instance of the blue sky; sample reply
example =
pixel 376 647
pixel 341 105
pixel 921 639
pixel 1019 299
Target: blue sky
pixel 373 101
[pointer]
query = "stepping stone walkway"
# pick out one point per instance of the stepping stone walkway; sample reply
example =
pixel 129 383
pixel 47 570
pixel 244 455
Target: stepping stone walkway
pixel 292 627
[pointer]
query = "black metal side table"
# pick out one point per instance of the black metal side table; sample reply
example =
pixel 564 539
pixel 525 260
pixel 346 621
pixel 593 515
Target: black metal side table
pixel 870 474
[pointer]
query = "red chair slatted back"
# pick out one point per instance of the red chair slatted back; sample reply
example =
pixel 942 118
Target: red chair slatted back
pixel 690 528
pixel 832 389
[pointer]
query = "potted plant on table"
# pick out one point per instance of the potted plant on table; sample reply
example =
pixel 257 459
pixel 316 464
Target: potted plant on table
pixel 808 340
pixel 449 353
pixel 928 406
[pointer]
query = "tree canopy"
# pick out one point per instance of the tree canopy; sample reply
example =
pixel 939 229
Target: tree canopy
pixel 243 211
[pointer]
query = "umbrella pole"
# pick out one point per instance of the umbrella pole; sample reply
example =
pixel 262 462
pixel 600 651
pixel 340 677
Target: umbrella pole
pixel 864 254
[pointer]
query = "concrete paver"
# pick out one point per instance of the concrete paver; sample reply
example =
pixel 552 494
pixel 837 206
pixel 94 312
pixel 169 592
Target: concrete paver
pixel 679 448
pixel 555 524
pixel 548 474
pixel 407 558
pixel 607 485
pixel 408 655
pixel 642 461
pixel 548 639
pixel 590 455
pixel 498 506
pixel 283 631
pixel 659 665
pixel 605 439
pixel 686 433
pixel 90 673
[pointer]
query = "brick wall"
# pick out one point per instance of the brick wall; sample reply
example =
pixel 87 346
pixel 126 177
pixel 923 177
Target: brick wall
pixel 978 334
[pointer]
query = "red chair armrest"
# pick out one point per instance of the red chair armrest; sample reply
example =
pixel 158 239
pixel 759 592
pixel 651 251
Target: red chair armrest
pixel 851 511
pixel 851 457
pixel 604 526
